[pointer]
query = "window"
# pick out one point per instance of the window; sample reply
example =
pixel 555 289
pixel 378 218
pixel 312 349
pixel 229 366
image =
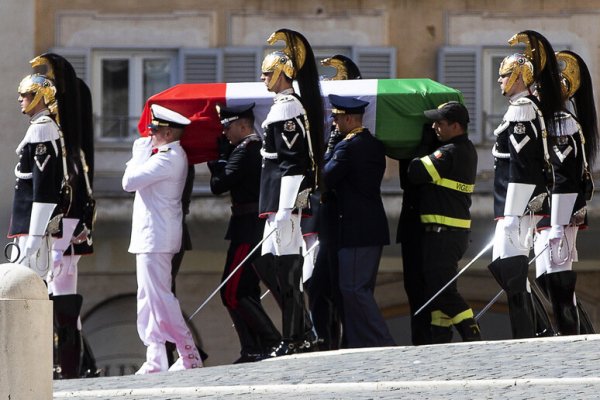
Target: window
pixel 121 83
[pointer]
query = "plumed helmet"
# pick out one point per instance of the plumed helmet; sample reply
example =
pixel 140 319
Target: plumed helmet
pixel 276 63
pixel 345 67
pixel 41 88
pixel 569 72
pixel 516 65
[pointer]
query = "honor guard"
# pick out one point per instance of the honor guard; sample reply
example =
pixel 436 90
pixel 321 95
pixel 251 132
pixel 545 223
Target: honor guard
pixel 572 146
pixel 291 152
pixel 157 173
pixel 238 172
pixel 523 171
pixel 73 113
pixel 35 215
pixel 354 170
pixel 445 180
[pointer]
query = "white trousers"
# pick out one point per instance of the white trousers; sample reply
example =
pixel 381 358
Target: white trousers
pixel 517 241
pixel 159 317
pixel 555 258
pixel 286 240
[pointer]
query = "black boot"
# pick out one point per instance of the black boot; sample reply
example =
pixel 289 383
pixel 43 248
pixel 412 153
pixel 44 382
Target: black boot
pixel 511 275
pixel 441 334
pixel 66 314
pixel 289 278
pixel 468 330
pixel 561 286
pixel 543 325
pixel 267 272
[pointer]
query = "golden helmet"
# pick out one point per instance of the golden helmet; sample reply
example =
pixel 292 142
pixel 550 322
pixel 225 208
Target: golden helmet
pixel 516 65
pixel 278 62
pixel 40 87
pixel 569 72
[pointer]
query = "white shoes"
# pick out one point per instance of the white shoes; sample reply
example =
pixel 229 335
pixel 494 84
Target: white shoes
pixel 190 359
pixel 156 359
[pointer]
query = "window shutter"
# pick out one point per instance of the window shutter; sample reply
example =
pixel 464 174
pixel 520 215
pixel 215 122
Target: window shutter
pixel 241 64
pixel 460 68
pixel 375 62
pixel 78 58
pixel 201 65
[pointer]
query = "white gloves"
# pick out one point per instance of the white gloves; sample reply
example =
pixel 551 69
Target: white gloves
pixel 557 232
pixel 283 215
pixel 57 257
pixel 32 245
pixel 511 223
pixel 142 147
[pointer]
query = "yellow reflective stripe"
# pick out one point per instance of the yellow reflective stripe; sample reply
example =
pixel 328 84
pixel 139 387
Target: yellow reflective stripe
pixel 438 318
pixel 444 182
pixel 455 185
pixel 431 168
pixel 448 221
pixel 458 318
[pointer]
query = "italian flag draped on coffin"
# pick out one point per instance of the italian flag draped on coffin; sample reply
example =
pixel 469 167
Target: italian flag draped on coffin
pixel 394 114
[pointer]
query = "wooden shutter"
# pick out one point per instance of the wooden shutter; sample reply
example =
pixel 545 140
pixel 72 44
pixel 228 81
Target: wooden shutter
pixel 460 68
pixel 79 59
pixel 241 64
pixel 200 66
pixel 375 62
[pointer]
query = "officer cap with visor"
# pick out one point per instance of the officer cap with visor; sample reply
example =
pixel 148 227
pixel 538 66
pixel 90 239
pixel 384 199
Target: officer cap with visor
pixel 347 105
pixel 162 116
pixel 227 115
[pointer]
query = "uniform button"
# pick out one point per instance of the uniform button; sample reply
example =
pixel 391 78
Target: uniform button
pixel 16 186
pixel 187 347
pixel 191 356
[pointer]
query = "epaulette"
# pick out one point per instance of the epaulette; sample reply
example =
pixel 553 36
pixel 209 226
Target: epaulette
pixel 568 125
pixel 350 136
pixel 284 108
pixel 250 138
pixel 521 110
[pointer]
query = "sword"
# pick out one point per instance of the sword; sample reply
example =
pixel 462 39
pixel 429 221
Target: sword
pixel 231 274
pixel 497 296
pixel 486 248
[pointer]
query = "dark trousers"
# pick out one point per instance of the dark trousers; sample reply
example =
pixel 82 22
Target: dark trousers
pixel 410 238
pixel 364 325
pixel 441 253
pixel 241 296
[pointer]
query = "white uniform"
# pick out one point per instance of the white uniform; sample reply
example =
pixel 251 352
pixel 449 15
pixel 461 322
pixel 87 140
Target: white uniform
pixel 158 181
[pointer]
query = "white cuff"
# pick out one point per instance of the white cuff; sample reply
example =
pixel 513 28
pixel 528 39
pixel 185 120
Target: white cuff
pixel 562 208
pixel 517 198
pixel 68 227
pixel 290 185
pixel 40 216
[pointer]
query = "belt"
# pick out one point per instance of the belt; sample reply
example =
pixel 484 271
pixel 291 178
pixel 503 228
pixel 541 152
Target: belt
pixel 442 228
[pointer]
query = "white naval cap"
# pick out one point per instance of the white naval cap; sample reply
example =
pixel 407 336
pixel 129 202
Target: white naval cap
pixel 162 116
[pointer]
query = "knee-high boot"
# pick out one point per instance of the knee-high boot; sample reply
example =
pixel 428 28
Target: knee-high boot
pixel 561 286
pixel 66 314
pixel 267 272
pixel 289 276
pixel 511 275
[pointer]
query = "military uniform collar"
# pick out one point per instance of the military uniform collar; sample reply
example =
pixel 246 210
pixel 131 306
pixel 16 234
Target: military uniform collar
pixel 517 96
pixel 43 113
pixel 285 92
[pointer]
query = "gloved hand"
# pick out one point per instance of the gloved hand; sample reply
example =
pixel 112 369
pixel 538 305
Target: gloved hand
pixel 334 138
pixel 142 147
pixel 57 257
pixel 511 223
pixel 32 245
pixel 557 232
pixel 283 215
pixel 224 147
